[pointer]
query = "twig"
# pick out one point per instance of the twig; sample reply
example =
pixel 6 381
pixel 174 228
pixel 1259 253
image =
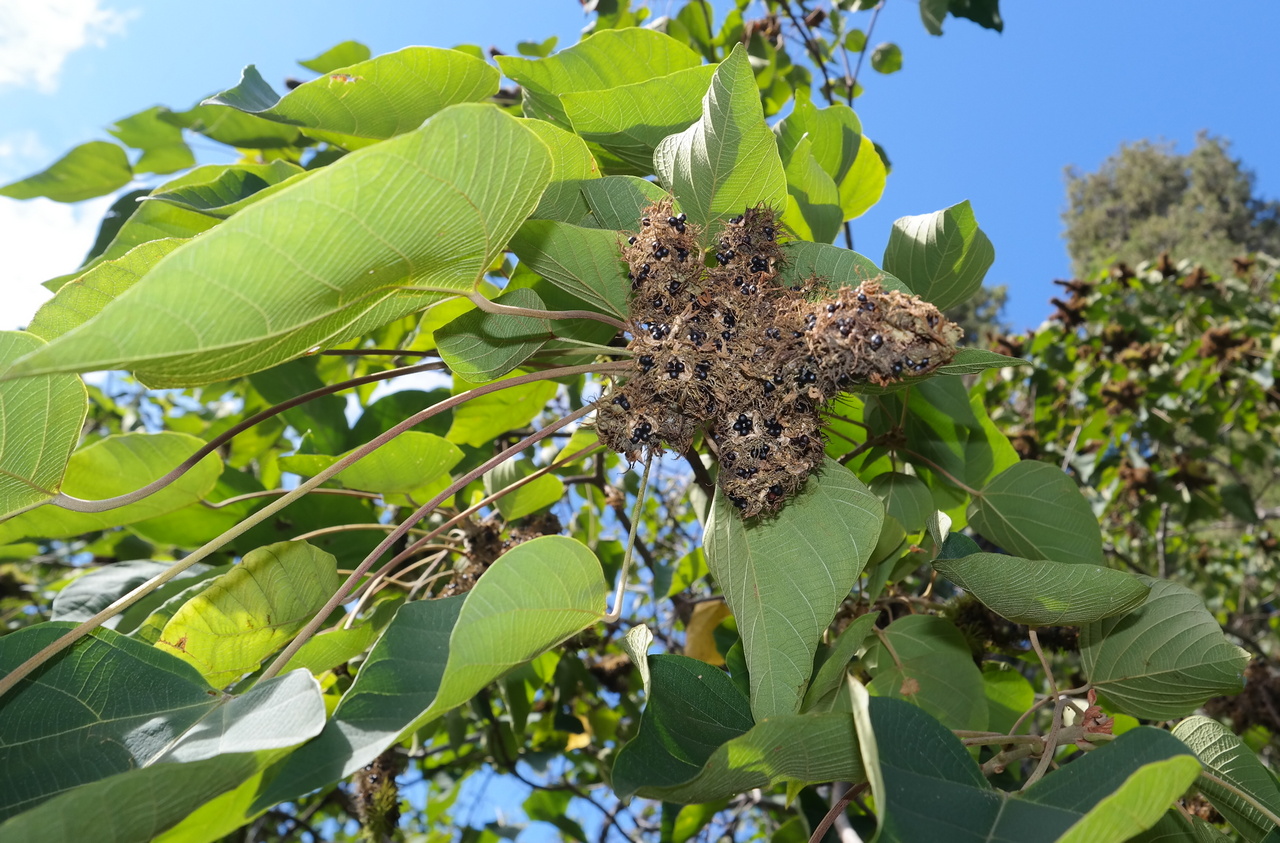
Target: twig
pixel 836 810
pixel 625 568
pixel 853 81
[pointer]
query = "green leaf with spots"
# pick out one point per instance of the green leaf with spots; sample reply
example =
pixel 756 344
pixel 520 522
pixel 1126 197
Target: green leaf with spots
pixel 783 580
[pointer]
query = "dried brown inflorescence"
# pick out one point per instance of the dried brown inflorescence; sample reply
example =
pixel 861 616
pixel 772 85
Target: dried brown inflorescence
pixel 727 350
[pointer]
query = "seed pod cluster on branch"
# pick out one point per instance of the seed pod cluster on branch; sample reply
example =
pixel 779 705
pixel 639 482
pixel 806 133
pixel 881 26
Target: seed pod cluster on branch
pixel 726 349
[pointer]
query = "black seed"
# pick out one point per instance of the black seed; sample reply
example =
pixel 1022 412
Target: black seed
pixel 738 501
pixel 644 221
pixel 728 458
pixel 726 335
pixel 773 427
pixel 672 221
pixel 728 319
pixel 681 254
pixel 831 308
pixel 876 342
pixel 632 240
pixel 897 367
pixel 862 297
pixel 743 425
pixel 697 337
pixel 801 442
pixel 680 227
pixel 622 402
pixel 777 378
pixel 736 220
pixel 747 472
pixel 722 257
pixel 673 287
pixel 681 218
pixel 644 269
pixel 646 362
pixel 810 321
pixel 769 387
pixel 659 331
pixel 869 307
pixel 674 369
pixel 796 335
pixel 661 252
pixel 760 451
pixel 656 302
pixel 933 321
pixel 923 363
pixel 776 490
pixel 768 231
pixel 701 370
pixel 773 333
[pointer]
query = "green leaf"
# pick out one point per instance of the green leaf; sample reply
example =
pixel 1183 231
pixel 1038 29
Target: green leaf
pixel 1163 659
pixel 551 806
pixel 839 267
pixel 96 589
pixel 163 149
pixel 1224 755
pixel 930 666
pixel 1044 593
pixel 1009 695
pixel 251 611
pixel 985 13
pixel 1034 510
pixel 584 262
pixel 572 165
pixel 783 580
pixel 863 185
pixel 375 99
pixel 616 201
pixel 235 188
pixel 933 790
pixel 830 675
pixel 839 146
pixel 482 347
pixel 905 497
pixel 970 361
pixel 186 321
pixel 692 709
pixel 88 170
pixel 887 57
pixel 942 256
pixel 114 466
pixel 727 160
pixel 40 421
pixel 605 61
pixel 436 654
pixel 338 56
pixel 812 195
pixel 529 498
pixel 235 128
pixel 537 49
pixel 81 299
pixel 631 120
pixel 410 461
pixel 115 704
pixel 932 13
pixel 855 41
pixel 322 420
pixel 481 419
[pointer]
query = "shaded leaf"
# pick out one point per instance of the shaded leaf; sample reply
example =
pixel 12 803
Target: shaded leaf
pixel 783 580
pixel 88 170
pixel 930 666
pixel 529 498
pixel 1009 695
pixel 838 267
pixel 970 361
pixel 1044 593
pixel 1164 658
pixel 40 421
pixel 97 589
pixel 942 256
pixel 728 159
pixel 616 201
pixel 905 498
pixel 482 346
pixel 813 195
pixel 234 188
pixel 1034 510
pixel 480 419
pixel 235 128
pixel 830 675
pixel 887 57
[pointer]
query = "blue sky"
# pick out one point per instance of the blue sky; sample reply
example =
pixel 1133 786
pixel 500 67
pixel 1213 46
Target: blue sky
pixel 972 115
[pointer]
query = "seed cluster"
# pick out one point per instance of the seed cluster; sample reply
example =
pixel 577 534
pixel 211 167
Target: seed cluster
pixel 726 349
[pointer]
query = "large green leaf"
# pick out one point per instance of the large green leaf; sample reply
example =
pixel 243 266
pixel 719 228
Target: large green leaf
pixel 437 654
pixel 1035 510
pixel 572 165
pixel 96 589
pixel 839 267
pixel 728 159
pixel 840 148
pixel 813 202
pixel 375 99
pixel 235 128
pixel 783 580
pixel 81 299
pixel 616 202
pixel 234 188
pixel 933 790
pixel 928 663
pixel 90 169
pixel 1164 658
pixel 410 461
pixel 251 611
pixel 584 262
pixel 481 346
pixel 1044 593
pixel 114 466
pixel 905 497
pixel 603 62
pixel 631 120
pixel 431 206
pixel 1225 756
pixel 829 678
pixel 692 709
pixel 40 423
pixel 163 149
pixel 529 498
pixel 942 256
pixel 114 704
pixel 480 419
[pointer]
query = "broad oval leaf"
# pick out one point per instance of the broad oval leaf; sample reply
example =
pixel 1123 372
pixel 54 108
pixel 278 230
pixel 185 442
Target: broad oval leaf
pixel 529 498
pixel 482 346
pixel 1040 592
pixel 930 665
pixel 1248 781
pixel 163 149
pixel 830 675
pixel 606 60
pixel 480 419
pixel 783 579
pixel 572 165
pixel 728 160
pixel 324 260
pixel 813 203
pixel 115 704
pixel 375 99
pixel 616 202
pixel 436 654
pixel 248 613
pixel 90 169
pixel 97 589
pixel 1164 658
pixel 114 466
pixel 1036 511
pixel 584 262
pixel 410 461
pixel 235 188
pixel 942 256
pixel 40 423
pixel 905 498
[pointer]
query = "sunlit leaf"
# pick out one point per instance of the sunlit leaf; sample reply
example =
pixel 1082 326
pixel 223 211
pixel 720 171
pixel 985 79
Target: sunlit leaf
pixel 572 165
pixel 91 169
pixel 529 498
pixel 163 149
pixel 337 56
pixel 482 346
pixel 1036 511
pixel 480 419
pixel 1247 780
pixel 942 256
pixel 585 262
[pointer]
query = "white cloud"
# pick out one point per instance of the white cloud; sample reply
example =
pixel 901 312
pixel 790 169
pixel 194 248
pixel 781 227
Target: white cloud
pixel 43 239
pixel 36 36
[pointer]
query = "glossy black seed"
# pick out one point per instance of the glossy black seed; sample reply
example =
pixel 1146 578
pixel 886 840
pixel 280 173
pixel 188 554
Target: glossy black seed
pixel 728 319
pixel 769 387
pixel 656 302
pixel 697 337
pixel 641 432
pixel 760 451
pixel 923 363
pixel 622 402
pixel 726 335
pixel 747 472
pixel 743 425
pixel 646 362
pixel 680 227
pixel 681 218
pixel 844 326
pixel 831 308
pixel 659 331
pixel 632 240
pixel 701 370
pixel 795 335
pixel 776 490
pixel 728 458
pixel 778 378
pixel 738 501
pixel 773 333
pixel 674 287
pixel 897 367
pixel 862 297
pixel 768 231
pixel 876 342
pixel 644 221
pixel 644 269
pixel 869 307
pixel 661 252
pixel 674 369
pixel 773 427
pixel 736 220
pixel 681 254
pixel 672 221
pixel 810 321
pixel 806 376
pixel 801 442
pixel 722 258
